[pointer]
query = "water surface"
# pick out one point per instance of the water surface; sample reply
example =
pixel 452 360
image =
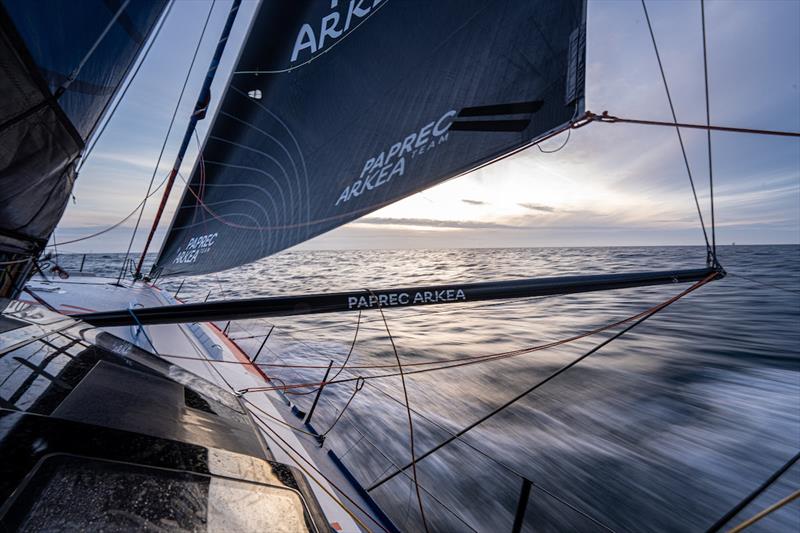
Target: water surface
pixel 664 429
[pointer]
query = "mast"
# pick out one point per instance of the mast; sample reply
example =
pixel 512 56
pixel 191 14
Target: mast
pixel 198 114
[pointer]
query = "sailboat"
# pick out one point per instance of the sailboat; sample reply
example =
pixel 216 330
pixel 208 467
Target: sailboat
pixel 122 407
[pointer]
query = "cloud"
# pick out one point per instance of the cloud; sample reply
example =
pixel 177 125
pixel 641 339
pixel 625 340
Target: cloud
pixel 473 202
pixel 431 223
pixel 585 220
pixel 538 207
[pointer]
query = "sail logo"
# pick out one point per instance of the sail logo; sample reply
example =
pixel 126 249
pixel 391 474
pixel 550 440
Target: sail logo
pixel 394 299
pixel 332 26
pixel 195 247
pixel 380 169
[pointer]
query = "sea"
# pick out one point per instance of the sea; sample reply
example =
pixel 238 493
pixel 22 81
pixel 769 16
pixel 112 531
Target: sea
pixel 666 428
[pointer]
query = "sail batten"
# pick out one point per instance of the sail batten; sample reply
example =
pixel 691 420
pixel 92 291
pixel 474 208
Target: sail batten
pixel 334 112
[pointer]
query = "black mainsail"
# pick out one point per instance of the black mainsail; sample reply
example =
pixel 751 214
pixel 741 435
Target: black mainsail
pixel 361 103
pixel 60 65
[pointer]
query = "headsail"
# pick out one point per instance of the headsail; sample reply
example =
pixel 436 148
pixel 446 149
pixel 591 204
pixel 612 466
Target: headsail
pixel 336 109
pixel 60 65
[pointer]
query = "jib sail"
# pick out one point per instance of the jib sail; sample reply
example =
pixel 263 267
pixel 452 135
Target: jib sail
pixel 61 63
pixel 338 108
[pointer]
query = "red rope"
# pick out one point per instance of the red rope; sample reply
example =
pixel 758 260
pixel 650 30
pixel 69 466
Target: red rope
pixel 455 363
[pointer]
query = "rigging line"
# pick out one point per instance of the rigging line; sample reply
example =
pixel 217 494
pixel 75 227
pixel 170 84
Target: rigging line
pixel 488 456
pixel 555 374
pixel 675 121
pixel 169 130
pixel 228 384
pixel 727 517
pixel 772 508
pixel 267 427
pixel 299 455
pixel 141 328
pixel 476 449
pixel 611 119
pixel 468 444
pixel 408 412
pixel 344 364
pixel 352 346
pixel 121 97
pixel 708 134
pixel 391 464
pixel 465 361
pixel 113 226
pixel 276 419
pixel 764 283
pixel 359 385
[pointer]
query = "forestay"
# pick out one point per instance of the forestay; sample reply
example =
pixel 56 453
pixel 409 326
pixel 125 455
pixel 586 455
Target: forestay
pixel 338 108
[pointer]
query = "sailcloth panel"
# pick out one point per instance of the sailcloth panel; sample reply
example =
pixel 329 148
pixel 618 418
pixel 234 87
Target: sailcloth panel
pixel 336 109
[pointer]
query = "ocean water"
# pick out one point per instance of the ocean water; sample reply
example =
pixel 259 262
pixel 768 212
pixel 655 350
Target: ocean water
pixel 664 429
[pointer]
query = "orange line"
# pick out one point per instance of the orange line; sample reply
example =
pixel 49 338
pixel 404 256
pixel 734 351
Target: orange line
pixel 239 353
pixel 232 346
pixel 78 307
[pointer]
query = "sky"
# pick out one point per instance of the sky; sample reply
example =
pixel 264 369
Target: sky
pixel 610 184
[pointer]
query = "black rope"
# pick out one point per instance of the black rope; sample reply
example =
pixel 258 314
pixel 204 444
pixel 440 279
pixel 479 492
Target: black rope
pixel 116 224
pixel 301 457
pixel 552 376
pixel 677 129
pixel 708 134
pixel 166 137
pixel 414 459
pixel 359 385
pixel 445 429
pixel 716 526
pixel 490 457
pixel 267 427
pixel 342 367
pixel 765 283
pixel 352 346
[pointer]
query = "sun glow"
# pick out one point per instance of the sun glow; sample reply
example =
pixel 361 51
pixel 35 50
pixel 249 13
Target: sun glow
pixel 526 189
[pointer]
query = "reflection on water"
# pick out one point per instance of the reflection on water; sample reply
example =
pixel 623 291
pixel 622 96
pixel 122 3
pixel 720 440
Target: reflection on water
pixel 663 429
